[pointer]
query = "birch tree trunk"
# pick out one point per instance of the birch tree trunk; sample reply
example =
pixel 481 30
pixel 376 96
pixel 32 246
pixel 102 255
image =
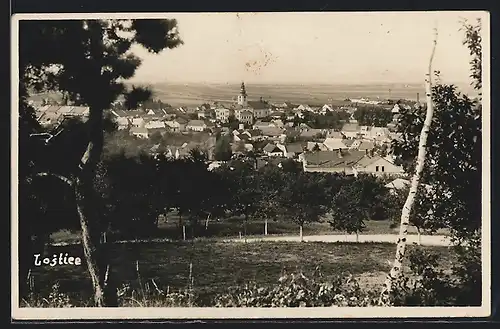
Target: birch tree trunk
pixel 265 226
pixel 301 233
pixel 206 222
pixel 405 215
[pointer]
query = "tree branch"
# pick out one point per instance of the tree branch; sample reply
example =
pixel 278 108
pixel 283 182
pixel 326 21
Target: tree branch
pixel 60 177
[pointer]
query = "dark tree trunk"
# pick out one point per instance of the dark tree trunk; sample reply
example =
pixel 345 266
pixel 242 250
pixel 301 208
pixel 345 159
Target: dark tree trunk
pixel 86 198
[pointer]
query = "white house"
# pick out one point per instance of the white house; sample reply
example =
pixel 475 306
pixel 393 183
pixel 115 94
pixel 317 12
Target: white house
pixel 333 144
pixel 376 165
pixel 196 125
pixel 222 114
pixel 326 108
pixel 123 123
pixel 274 150
pixel 137 122
pixel 153 124
pixel 139 132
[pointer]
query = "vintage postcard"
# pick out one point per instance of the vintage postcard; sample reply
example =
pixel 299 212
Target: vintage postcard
pixel 250 165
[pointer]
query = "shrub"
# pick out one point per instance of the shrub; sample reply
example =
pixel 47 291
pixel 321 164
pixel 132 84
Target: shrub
pixel 435 287
pixel 296 290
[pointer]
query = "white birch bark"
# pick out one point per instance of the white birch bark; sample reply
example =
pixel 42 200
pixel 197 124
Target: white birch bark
pixel 405 215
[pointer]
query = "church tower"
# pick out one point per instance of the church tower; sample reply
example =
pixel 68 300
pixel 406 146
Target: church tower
pixel 242 97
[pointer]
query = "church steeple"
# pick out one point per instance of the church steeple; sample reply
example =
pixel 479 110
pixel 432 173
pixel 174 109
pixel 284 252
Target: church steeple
pixel 242 97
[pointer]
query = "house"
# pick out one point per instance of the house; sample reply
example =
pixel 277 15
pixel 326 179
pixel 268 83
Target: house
pixel 312 133
pixel 335 134
pixel 263 125
pixel 379 133
pixel 123 123
pixel 286 105
pixel 158 113
pixel 365 146
pixel 293 150
pixel 202 114
pixel 244 116
pixel 241 136
pixel 278 123
pixel 339 161
pixel 78 111
pixel 298 113
pixel 271 132
pixel 49 118
pixel 222 114
pixel 139 132
pixel 153 124
pixel 152 131
pixel 326 108
pixel 241 147
pixel 312 146
pixel 351 130
pixel 176 125
pixel 128 114
pixel 335 144
pixel 365 130
pixel 377 165
pixel 64 110
pixel 260 109
pixel 272 149
pixel 196 125
pixel 137 122
pixel 304 108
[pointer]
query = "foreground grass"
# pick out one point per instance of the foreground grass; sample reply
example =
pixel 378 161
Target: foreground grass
pixel 232 228
pixel 216 267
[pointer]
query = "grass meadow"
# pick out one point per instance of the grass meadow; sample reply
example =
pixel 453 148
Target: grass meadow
pixel 217 266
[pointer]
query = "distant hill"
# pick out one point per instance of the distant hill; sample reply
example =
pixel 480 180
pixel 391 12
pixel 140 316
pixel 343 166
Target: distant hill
pixel 194 94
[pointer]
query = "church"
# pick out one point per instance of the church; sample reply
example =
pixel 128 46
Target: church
pixel 246 111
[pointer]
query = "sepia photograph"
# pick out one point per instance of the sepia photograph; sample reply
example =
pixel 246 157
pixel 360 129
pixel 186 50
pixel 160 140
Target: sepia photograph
pixel 250 165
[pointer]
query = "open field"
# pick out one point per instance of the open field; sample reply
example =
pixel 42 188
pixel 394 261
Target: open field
pixel 217 266
pixel 194 94
pixel 312 94
pixel 232 228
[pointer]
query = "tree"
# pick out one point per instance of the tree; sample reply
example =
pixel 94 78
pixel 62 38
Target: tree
pixel 348 214
pixel 156 137
pixel 223 150
pixel 271 183
pixel 90 68
pixel 421 159
pixel 357 200
pixel 303 198
pixel 422 215
pixel 244 190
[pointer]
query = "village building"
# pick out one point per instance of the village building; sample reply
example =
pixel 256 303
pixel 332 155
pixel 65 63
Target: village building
pixel 274 150
pixel 222 114
pixel 244 116
pixel 196 125
pixel 139 132
pixel 351 130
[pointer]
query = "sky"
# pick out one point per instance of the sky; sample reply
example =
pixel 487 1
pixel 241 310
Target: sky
pixel 320 47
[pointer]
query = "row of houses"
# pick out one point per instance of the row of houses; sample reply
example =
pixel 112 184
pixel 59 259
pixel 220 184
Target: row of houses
pixel 350 162
pixel 52 115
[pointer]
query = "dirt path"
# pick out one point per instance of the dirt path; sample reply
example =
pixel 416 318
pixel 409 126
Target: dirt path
pixel 426 240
